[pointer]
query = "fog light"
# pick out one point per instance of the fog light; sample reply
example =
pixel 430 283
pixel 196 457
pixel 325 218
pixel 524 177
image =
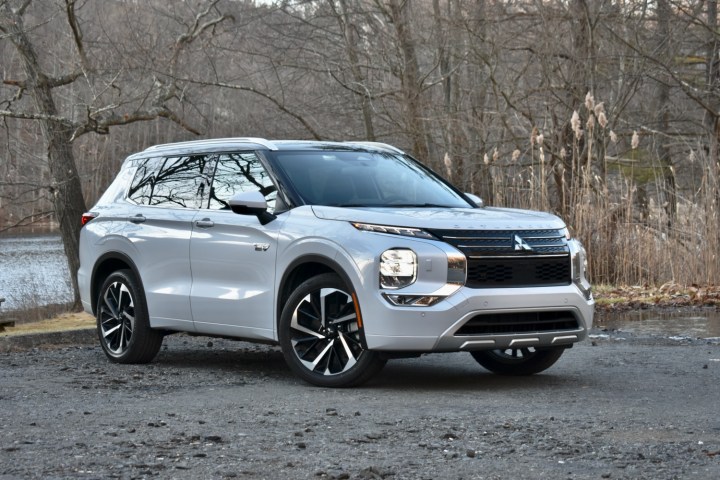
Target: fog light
pixel 398 268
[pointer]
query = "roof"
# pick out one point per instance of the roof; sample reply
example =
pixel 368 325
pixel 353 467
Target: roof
pixel 254 143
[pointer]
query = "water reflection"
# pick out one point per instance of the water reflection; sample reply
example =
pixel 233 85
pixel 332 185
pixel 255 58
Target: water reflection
pixel 33 272
pixel 694 323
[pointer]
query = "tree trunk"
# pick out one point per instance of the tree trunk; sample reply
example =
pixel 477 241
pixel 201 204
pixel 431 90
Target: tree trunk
pixel 663 100
pixel 66 190
pixel 571 175
pixel 411 81
pixel 712 81
pixel 351 49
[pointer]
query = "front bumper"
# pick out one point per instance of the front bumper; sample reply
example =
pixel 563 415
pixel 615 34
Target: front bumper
pixel 440 328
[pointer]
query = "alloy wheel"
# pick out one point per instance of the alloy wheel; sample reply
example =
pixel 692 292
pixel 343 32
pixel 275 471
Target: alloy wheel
pixel 117 317
pixel 324 332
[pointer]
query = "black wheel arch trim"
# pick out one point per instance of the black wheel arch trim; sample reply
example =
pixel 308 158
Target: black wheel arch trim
pixel 95 286
pixel 313 258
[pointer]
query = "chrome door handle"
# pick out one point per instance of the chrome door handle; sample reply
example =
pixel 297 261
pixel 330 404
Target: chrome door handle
pixel 139 218
pixel 204 223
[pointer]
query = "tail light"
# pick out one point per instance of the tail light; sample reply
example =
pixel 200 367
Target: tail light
pixel 86 217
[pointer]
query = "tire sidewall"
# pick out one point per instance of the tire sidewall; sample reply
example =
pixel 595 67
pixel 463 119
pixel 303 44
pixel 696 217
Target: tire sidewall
pixel 135 352
pixel 368 363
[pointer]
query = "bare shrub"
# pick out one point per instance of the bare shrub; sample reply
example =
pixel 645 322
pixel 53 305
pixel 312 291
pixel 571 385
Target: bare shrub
pixel 616 209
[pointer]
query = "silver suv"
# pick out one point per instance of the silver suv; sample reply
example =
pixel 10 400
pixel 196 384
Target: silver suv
pixel 344 254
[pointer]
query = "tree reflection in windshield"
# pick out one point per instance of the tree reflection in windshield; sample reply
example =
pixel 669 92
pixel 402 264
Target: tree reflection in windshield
pixel 365 179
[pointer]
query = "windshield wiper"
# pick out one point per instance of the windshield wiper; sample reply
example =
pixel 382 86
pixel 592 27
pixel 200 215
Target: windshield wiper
pixel 351 205
pixel 389 205
pixel 417 205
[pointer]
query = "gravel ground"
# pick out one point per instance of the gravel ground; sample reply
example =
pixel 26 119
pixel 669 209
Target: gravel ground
pixel 619 406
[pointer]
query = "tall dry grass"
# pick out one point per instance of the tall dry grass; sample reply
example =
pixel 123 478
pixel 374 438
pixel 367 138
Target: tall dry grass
pixel 619 205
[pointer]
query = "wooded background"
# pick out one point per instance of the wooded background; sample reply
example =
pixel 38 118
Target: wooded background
pixel 604 112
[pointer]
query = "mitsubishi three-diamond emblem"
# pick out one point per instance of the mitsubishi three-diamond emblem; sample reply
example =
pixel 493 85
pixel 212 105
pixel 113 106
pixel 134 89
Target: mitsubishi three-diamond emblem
pixel 520 244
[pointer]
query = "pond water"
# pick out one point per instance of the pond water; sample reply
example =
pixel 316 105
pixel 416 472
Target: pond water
pixel 688 322
pixel 33 272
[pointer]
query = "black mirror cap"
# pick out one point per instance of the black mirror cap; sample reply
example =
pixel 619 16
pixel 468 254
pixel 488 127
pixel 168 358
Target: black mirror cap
pixel 262 214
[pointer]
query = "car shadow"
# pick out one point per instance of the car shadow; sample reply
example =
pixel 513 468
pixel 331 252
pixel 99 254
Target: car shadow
pixel 446 372
pixel 433 375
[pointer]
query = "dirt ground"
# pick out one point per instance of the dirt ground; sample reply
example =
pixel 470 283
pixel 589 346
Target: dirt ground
pixel 615 406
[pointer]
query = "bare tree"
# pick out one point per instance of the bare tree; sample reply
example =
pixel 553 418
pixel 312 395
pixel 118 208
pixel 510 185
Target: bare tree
pixel 359 86
pixel 61 127
pixel 470 87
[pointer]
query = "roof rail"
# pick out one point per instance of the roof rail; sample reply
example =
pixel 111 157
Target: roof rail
pixel 378 145
pixel 259 141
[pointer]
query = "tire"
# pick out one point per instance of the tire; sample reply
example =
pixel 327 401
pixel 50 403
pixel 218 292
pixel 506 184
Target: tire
pixel 518 361
pixel 122 321
pixel 321 338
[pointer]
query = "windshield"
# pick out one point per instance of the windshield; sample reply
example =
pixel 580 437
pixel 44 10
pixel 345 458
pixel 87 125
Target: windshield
pixel 363 179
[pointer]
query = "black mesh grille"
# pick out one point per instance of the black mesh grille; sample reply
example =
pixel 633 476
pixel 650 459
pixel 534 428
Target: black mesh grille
pixel 518 272
pixel 523 258
pixel 524 322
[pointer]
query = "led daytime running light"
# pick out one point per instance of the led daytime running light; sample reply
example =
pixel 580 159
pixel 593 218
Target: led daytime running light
pixel 403 231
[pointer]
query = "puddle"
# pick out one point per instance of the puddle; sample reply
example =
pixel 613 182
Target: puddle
pixel 700 323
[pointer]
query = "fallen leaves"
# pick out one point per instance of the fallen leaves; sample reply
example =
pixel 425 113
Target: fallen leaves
pixel 668 295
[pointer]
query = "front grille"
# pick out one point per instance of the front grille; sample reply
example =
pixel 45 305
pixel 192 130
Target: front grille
pixel 518 272
pixel 522 322
pixel 522 258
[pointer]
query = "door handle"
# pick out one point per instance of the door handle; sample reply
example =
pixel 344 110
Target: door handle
pixel 204 223
pixel 139 218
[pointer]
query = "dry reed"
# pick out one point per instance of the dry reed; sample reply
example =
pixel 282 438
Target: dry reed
pixel 620 214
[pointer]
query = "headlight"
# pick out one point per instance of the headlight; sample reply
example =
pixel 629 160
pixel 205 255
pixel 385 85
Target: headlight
pixel 579 268
pixel 398 268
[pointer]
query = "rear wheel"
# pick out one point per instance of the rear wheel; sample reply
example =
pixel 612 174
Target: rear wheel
pixel 518 361
pixel 321 335
pixel 122 321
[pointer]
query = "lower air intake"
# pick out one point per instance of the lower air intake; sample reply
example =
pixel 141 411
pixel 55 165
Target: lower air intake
pixel 523 322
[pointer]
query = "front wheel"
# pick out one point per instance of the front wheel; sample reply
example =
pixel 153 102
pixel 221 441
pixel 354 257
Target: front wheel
pixel 122 321
pixel 321 335
pixel 518 361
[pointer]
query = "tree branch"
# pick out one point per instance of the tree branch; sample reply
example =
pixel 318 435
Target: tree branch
pixel 23 222
pixel 102 126
pixel 37 116
pixel 195 31
pixel 51 82
pixel 21 9
pixel 76 32
pixel 267 96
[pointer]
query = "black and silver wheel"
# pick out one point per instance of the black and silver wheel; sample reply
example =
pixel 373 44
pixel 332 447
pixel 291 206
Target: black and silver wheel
pixel 518 361
pixel 122 321
pixel 321 335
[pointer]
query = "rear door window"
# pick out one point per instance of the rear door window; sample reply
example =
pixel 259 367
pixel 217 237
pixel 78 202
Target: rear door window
pixel 176 182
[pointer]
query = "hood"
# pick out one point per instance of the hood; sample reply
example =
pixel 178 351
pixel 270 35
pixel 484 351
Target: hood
pixel 488 218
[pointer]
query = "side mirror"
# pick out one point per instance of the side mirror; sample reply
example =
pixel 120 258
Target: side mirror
pixel 475 199
pixel 251 203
